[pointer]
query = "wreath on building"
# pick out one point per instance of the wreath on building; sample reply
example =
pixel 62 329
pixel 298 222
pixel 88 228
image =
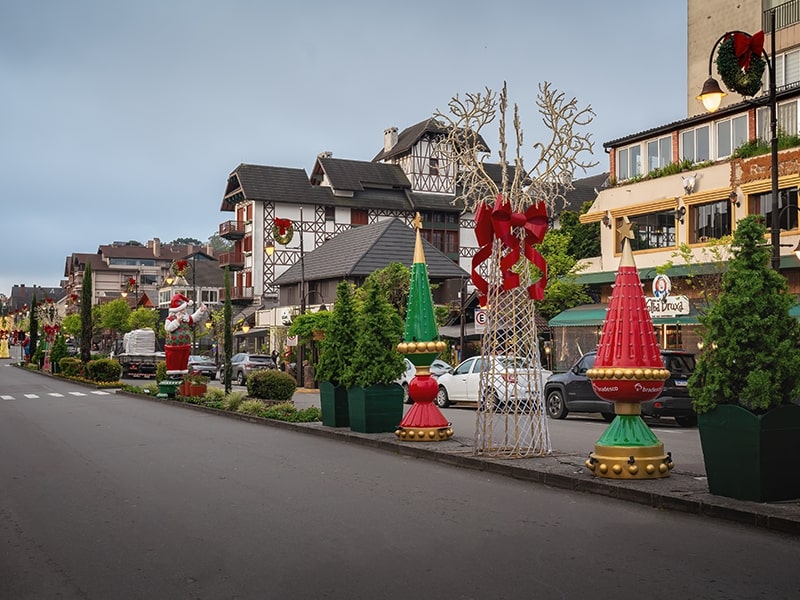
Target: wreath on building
pixel 740 63
pixel 282 230
pixel 179 267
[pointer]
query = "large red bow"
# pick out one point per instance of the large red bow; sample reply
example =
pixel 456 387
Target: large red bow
pixel 745 46
pixel 282 225
pixel 496 223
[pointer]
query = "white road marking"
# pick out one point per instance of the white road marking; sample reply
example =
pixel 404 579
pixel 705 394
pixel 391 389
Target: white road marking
pixel 31 395
pixel 7 397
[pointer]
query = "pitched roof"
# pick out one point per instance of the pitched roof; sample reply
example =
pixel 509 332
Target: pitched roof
pixel 273 184
pixel 584 190
pixel 356 175
pixel 411 135
pixel 359 251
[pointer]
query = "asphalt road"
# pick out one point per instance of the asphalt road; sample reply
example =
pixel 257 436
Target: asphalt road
pixel 113 497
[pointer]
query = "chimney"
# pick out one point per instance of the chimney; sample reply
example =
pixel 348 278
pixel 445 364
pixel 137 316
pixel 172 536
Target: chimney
pixel 389 138
pixel 156 247
pixel 325 154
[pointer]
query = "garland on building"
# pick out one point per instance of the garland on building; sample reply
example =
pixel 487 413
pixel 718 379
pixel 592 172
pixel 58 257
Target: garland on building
pixel 740 63
pixel 282 230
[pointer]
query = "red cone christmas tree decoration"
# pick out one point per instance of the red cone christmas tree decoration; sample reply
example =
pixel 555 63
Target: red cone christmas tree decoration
pixel 628 370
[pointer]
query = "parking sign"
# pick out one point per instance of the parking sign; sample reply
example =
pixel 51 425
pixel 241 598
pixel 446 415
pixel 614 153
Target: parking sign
pixel 480 319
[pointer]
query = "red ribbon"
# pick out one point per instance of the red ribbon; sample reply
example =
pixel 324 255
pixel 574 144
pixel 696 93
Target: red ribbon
pixel 282 225
pixel 745 46
pixel 498 223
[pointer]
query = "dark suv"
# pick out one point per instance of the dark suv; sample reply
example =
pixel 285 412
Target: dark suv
pixel 572 391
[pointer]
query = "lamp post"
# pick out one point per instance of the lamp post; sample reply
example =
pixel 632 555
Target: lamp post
pixel 300 370
pixel 712 95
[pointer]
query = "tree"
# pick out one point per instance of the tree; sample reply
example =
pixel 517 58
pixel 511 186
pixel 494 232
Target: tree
pixel 142 318
pixel 186 241
pixel 86 315
pixel 375 359
pixel 584 237
pixel 562 291
pixel 115 315
pixel 219 244
pixel 394 281
pixel 71 325
pixel 752 355
pixel 228 341
pixel 339 342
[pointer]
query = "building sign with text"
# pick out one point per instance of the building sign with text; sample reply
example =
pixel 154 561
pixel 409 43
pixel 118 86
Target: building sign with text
pixel 661 304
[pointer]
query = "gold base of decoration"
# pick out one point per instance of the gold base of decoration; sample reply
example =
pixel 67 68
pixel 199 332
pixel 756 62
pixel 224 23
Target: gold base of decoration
pixel 424 434
pixel 627 408
pixel 630 462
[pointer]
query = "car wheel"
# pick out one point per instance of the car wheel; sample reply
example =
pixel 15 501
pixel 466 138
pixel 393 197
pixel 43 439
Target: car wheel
pixel 556 409
pixel 607 416
pixel 686 421
pixel 406 398
pixel 442 401
pixel 240 378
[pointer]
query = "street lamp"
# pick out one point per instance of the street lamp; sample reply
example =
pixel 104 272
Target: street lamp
pixel 711 96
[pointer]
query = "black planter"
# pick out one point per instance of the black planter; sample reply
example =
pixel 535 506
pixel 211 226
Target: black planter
pixel 749 456
pixel 375 409
pixel 333 404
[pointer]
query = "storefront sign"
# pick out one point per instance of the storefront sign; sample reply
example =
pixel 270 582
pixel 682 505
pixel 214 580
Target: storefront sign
pixel 669 306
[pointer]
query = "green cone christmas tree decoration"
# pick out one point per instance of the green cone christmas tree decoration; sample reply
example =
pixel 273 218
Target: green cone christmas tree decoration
pixel 423 422
pixel 628 370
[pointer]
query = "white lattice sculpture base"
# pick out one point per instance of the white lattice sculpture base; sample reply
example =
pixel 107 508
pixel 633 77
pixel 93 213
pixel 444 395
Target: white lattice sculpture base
pixel 511 420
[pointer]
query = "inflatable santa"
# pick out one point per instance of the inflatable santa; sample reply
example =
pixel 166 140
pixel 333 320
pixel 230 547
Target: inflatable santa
pixel 179 326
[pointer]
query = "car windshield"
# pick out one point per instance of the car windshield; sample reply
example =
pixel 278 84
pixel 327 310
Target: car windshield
pixel 680 363
pixel 510 363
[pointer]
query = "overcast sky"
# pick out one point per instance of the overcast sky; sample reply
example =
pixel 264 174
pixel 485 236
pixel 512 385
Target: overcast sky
pixel 122 120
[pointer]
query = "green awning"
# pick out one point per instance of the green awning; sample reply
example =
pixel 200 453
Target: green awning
pixel 594 315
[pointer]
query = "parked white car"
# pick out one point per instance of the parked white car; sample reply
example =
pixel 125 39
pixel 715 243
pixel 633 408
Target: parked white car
pixel 512 381
pixel 438 367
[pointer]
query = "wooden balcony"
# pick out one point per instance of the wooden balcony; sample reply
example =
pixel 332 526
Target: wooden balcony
pixel 238 294
pixel 232 230
pixel 233 260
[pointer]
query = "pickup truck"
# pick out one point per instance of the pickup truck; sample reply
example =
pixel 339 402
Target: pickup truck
pixel 139 356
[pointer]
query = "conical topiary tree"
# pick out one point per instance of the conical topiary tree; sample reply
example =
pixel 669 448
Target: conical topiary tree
pixel 752 355
pixel 375 359
pixel 338 345
pixel 86 315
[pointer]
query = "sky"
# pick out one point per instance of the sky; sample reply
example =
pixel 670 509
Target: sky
pixel 122 120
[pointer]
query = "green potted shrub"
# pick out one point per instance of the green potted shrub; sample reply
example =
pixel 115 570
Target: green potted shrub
pixel 748 376
pixel 336 351
pixel 375 402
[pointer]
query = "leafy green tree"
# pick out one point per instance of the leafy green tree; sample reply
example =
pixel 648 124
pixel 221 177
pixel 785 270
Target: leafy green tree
pixel 752 343
pixel 337 346
pixel 71 325
pixel 86 315
pixel 584 237
pixel 228 340
pixel 394 281
pixel 562 291
pixel 185 241
pixel 143 318
pixel 375 359
pixel 219 244
pixel 58 352
pixel 115 315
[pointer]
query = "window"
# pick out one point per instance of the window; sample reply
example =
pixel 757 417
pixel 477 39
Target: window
pixel 787 68
pixel 433 166
pixel 629 162
pixel 659 153
pixel 359 216
pixel 731 133
pixel 762 204
pixel 696 144
pixel 330 213
pixel 787 120
pixel 651 230
pixel 709 221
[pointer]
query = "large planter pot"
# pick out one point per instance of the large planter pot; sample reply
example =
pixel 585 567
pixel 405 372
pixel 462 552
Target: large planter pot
pixel 375 409
pixel 334 405
pixel 752 457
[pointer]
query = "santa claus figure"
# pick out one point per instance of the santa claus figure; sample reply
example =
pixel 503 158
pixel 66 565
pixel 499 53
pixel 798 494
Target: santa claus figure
pixel 179 326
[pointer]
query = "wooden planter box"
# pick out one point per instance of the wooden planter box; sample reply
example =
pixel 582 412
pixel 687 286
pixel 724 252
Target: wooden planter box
pixel 752 457
pixel 375 409
pixel 334 405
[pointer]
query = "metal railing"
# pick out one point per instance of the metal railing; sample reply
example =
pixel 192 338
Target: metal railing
pixel 786 15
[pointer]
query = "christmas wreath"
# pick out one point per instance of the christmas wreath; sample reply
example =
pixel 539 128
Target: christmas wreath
pixel 740 64
pixel 179 267
pixel 282 230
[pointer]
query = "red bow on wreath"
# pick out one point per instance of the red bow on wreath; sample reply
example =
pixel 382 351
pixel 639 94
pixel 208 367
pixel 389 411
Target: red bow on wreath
pixel 745 46
pixel 497 223
pixel 282 225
